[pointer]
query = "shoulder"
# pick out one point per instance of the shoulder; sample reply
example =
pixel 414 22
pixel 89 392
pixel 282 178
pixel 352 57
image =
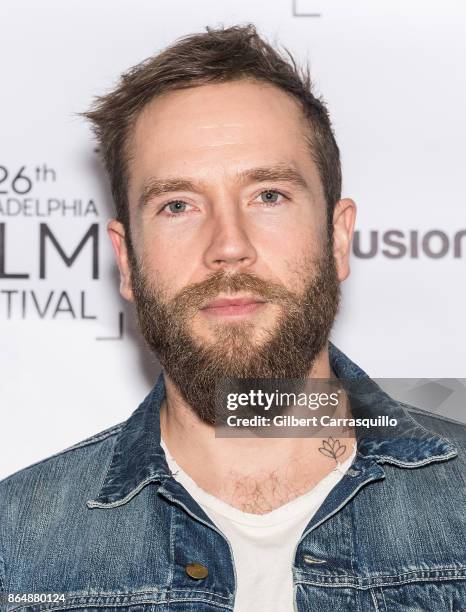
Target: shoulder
pixel 85 457
pixel 434 421
pixel 38 501
pixel 452 430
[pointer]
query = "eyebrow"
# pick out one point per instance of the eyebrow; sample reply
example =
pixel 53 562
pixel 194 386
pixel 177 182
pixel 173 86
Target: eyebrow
pixel 155 187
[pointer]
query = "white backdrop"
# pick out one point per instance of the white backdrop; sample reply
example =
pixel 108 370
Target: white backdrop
pixel 393 75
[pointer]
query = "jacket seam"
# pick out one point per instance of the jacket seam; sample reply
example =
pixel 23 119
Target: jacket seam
pixel 155 603
pixel 368 587
pixel 93 503
pixel 171 570
pixel 445 568
pixel 399 463
pixel 2 579
pixel 2 567
pixel 353 544
pixel 383 598
pixel 88 503
pixel 374 600
pixel 196 594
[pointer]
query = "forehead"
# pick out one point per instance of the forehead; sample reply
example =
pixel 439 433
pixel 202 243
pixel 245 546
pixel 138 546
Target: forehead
pixel 219 128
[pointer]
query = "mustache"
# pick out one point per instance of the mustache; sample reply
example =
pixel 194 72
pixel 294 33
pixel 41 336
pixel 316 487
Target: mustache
pixel 196 295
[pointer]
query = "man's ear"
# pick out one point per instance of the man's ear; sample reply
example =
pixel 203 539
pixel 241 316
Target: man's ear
pixel 116 233
pixel 344 217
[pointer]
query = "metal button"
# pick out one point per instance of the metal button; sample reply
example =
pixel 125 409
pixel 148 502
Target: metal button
pixel 197 571
pixel 352 472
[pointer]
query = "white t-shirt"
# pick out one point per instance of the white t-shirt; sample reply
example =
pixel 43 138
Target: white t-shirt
pixel 263 545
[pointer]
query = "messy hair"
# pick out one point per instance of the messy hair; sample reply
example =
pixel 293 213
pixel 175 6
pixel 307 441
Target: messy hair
pixel 215 56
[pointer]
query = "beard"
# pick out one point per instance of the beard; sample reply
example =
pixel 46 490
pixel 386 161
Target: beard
pixel 286 351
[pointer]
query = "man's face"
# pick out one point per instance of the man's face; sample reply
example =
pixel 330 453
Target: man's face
pixel 226 202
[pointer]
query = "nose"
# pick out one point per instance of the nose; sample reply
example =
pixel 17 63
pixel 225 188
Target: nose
pixel 230 247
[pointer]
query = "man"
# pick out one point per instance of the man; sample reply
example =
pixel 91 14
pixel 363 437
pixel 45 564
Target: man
pixel 232 239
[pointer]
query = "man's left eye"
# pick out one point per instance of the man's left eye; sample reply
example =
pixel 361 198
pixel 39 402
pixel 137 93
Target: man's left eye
pixel 270 196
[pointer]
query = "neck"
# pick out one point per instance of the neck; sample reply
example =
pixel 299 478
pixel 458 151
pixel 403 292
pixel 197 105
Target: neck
pixel 253 474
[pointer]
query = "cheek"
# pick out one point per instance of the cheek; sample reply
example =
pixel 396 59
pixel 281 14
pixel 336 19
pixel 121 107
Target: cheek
pixel 299 262
pixel 290 230
pixel 168 262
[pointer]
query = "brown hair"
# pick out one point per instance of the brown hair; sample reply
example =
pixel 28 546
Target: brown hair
pixel 215 56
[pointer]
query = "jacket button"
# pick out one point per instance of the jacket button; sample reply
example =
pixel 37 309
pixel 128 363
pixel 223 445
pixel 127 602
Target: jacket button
pixel 196 571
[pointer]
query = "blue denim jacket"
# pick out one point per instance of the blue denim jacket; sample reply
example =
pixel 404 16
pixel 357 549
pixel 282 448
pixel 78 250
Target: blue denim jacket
pixel 103 525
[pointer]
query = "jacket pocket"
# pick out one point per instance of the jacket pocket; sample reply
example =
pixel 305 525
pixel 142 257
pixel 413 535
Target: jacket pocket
pixel 432 596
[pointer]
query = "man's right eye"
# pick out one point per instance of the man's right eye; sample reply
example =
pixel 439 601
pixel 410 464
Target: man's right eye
pixel 175 207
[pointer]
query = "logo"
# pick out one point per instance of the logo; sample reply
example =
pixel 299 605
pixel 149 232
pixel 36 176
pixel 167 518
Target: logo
pixel 396 244
pixel 56 233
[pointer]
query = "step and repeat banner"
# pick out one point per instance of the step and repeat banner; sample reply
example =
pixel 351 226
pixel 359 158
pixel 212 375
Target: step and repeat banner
pixel 392 73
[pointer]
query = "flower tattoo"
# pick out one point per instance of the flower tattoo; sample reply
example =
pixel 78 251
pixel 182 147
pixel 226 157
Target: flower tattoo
pixel 332 448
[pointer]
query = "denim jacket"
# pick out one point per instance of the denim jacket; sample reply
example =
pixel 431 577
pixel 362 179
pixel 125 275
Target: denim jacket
pixel 103 525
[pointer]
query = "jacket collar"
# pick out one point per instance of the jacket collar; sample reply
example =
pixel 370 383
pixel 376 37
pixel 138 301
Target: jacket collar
pixel 138 457
pixel 408 444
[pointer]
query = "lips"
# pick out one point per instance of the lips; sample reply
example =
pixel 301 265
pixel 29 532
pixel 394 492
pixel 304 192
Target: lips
pixel 226 302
